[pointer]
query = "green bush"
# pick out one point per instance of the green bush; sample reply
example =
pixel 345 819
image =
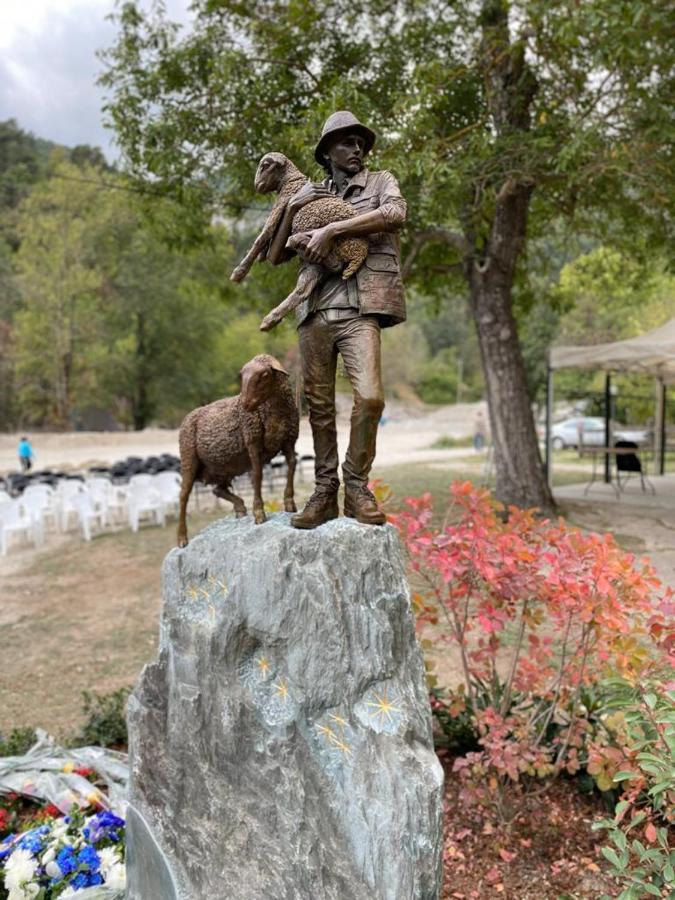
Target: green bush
pixel 19 741
pixel 446 442
pixel 438 378
pixel 106 724
pixel 642 831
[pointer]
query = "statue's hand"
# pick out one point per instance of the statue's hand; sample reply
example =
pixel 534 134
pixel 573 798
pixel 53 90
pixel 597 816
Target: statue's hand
pixel 319 244
pixel 308 193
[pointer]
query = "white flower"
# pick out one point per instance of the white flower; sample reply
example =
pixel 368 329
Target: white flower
pixel 24 893
pixel 69 892
pixel 19 868
pixel 59 828
pixel 108 857
pixel 52 869
pixel 48 856
pixel 117 876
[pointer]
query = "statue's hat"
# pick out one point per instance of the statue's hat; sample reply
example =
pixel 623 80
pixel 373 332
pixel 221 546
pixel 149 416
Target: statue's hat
pixel 343 121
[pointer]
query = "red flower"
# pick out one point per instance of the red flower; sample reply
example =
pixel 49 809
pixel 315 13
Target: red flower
pixel 85 773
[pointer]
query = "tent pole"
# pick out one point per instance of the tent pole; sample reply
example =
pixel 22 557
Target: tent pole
pixel 608 416
pixel 658 418
pixel 549 425
pixel 662 460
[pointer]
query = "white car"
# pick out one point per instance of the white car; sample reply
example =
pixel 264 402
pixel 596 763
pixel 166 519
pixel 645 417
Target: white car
pixel 592 428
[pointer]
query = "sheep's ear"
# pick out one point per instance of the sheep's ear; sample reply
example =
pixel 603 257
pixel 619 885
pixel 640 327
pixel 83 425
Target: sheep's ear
pixel 276 365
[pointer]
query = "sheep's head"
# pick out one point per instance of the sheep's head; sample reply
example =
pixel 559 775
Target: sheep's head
pixel 259 380
pixel 270 172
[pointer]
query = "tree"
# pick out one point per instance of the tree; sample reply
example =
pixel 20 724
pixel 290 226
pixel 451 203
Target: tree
pixel 56 327
pixel 498 117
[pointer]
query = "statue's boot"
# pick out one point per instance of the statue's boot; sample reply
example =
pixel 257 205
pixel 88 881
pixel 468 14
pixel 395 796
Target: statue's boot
pixel 360 504
pixel 321 507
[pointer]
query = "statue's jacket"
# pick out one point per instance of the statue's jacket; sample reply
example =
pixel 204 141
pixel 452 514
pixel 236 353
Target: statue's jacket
pixel 376 288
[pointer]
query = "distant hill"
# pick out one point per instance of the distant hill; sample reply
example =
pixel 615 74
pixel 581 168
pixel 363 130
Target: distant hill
pixel 25 159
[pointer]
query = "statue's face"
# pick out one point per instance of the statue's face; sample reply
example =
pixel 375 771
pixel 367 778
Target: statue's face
pixel 346 152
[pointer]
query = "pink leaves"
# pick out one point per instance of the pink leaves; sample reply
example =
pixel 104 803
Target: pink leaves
pixel 535 610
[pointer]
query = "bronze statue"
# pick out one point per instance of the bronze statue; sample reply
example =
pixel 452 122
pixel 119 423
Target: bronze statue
pixel 240 434
pixel 338 315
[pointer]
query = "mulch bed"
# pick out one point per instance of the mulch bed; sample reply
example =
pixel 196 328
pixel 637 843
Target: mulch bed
pixel 548 853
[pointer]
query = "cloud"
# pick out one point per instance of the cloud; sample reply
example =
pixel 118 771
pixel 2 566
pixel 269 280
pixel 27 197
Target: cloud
pixel 48 72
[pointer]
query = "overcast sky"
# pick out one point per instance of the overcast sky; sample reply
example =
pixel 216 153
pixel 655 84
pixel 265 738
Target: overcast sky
pixel 48 67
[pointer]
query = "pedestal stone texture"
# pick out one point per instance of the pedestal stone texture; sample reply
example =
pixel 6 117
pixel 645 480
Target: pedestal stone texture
pixel 281 743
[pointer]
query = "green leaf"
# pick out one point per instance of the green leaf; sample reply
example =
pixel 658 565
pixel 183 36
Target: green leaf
pixel 613 857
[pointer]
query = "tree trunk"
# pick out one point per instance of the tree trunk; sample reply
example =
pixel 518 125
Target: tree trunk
pixel 490 269
pixel 520 473
pixel 140 404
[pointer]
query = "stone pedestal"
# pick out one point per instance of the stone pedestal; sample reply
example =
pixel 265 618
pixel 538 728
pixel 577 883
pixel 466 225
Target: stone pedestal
pixel 281 742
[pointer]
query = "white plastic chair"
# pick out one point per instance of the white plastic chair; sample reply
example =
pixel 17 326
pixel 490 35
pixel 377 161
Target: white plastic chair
pixel 168 485
pixel 144 500
pixel 87 513
pixel 34 508
pixel 109 498
pixel 14 520
pixel 66 491
pixel 141 480
pixel 39 500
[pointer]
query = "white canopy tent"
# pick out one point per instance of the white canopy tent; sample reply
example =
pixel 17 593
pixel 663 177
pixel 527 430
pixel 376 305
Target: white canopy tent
pixel 651 354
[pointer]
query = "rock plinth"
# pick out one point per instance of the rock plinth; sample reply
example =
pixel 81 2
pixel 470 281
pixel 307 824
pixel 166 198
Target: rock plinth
pixel 281 743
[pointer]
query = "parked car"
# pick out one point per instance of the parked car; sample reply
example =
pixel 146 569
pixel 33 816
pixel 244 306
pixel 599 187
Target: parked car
pixel 592 430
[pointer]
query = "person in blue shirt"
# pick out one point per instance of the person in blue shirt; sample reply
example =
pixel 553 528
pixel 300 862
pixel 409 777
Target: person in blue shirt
pixel 25 454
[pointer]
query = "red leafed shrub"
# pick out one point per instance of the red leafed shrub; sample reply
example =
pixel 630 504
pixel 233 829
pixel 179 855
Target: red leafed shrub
pixel 536 613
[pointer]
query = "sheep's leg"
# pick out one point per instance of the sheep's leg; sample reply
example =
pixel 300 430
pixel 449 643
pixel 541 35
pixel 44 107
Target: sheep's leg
pixel 226 494
pixel 260 244
pixel 289 496
pixel 188 474
pixel 308 278
pixel 256 478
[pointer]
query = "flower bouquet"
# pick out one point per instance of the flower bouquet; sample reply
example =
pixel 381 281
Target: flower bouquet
pixel 68 856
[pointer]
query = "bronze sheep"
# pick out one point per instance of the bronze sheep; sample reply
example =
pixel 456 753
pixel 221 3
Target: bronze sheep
pixel 239 434
pixel 277 173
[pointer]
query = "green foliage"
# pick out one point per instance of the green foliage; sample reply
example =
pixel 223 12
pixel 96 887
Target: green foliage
pixel 18 742
pixel 196 109
pixel 57 323
pixel 106 724
pixel 607 295
pixel 445 442
pixel 642 837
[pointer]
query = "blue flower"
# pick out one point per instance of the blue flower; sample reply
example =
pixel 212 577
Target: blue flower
pixel 7 845
pixel 31 841
pixel 89 857
pixel 80 881
pixel 103 826
pixel 66 860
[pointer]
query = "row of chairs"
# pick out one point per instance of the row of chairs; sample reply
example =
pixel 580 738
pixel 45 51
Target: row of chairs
pixel 94 503
pixel 107 497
